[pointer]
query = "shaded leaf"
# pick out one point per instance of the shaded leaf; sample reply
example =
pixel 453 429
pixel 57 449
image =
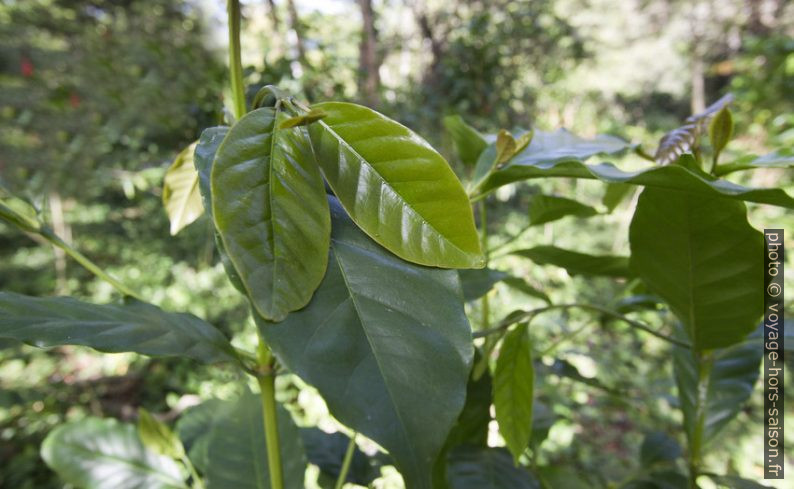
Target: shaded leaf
pixel 553 477
pixel 386 343
pixel 522 286
pixel 157 436
pixel 181 196
pixel 477 283
pixel 469 143
pixel 576 263
pixel 660 479
pixel 548 208
pixel 96 453
pixel 513 387
pixel 669 177
pixel 327 451
pixel 395 187
pixel 237 450
pixel 658 447
pixel 194 427
pixel 706 267
pixel 270 210
pixel 486 468
pixel 135 327
pixel 616 193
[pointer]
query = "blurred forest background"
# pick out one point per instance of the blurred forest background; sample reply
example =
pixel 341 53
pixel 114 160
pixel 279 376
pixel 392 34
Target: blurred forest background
pixel 98 97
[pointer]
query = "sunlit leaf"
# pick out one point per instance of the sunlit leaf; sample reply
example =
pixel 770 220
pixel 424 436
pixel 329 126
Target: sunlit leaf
pixel 514 378
pixel 181 196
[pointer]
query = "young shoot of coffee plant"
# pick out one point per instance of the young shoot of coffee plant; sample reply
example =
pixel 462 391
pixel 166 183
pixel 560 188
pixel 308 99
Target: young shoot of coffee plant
pixel 358 249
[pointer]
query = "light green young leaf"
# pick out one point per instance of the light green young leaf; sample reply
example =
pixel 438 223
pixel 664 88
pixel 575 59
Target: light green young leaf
pixel 703 258
pixel 548 208
pixel 96 453
pixel 181 196
pixel 513 385
pixel 386 343
pixel 157 436
pixel 269 206
pixel 720 131
pixel 469 143
pixel 135 327
pixel 395 187
pixel 576 263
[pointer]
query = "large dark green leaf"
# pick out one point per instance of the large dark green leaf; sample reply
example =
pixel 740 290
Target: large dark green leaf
pixel 237 451
pixel 513 390
pixel 269 206
pixel 548 208
pixel 386 343
pixel 576 263
pixel 477 283
pixel 658 448
pixel 704 259
pixel 733 376
pixel 136 327
pixel 181 196
pixel 675 177
pixel 327 451
pixel 397 188
pixel 486 468
pixel 194 427
pixel 469 143
pixel 96 453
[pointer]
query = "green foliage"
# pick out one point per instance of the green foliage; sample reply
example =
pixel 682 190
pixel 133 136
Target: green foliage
pixel 469 143
pixel 158 437
pixel 486 468
pixel 513 390
pixel 548 208
pixel 181 197
pixel 576 263
pixel 97 453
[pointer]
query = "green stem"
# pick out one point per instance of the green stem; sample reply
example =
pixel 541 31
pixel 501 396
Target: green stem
pixel 197 482
pixel 235 63
pixel 86 263
pixel 705 362
pixel 351 448
pixel 485 308
pixel 267 389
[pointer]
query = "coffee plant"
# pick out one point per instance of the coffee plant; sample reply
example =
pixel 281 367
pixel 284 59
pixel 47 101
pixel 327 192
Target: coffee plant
pixel 356 245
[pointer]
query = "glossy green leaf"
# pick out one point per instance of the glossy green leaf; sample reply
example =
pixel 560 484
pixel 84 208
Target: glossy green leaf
pixel 477 283
pixel 675 177
pixel 576 263
pixel 548 208
pixel 733 377
pixel 782 158
pixel 658 448
pixel 720 130
pixel 270 210
pixel 469 143
pixel 157 436
pixel 96 453
pixel 237 450
pixel 327 451
pixel 703 258
pixel 181 196
pixel 396 188
pixel 386 343
pixel 204 157
pixel 135 327
pixel 486 468
pixel 513 388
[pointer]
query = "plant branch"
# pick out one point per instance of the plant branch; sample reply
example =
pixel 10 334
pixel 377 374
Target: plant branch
pixel 267 390
pixel 705 361
pixel 505 324
pixel 351 448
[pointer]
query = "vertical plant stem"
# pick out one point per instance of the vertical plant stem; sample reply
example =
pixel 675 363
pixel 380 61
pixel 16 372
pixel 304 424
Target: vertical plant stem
pixel 705 361
pixel 485 309
pixel 235 62
pixel 267 389
pixel 351 448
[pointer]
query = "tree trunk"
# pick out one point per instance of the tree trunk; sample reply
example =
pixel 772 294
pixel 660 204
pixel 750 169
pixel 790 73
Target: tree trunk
pixel 369 61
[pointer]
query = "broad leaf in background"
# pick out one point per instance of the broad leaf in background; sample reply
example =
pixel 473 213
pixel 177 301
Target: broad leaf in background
pixel 386 343
pixel 659 479
pixel 734 482
pixel 486 468
pixel 616 193
pixel 157 436
pixel 522 285
pixel 548 208
pixel 476 283
pixel 513 386
pixel 136 327
pixel 203 157
pixel 703 258
pixel 658 448
pixel 782 158
pixel 181 196
pixel 237 452
pixel 194 427
pixel 269 206
pixel 96 453
pixel 561 145
pixel 396 187
pixel 675 177
pixel 576 263
pixel 469 143
pixel 733 376
pixel 327 451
